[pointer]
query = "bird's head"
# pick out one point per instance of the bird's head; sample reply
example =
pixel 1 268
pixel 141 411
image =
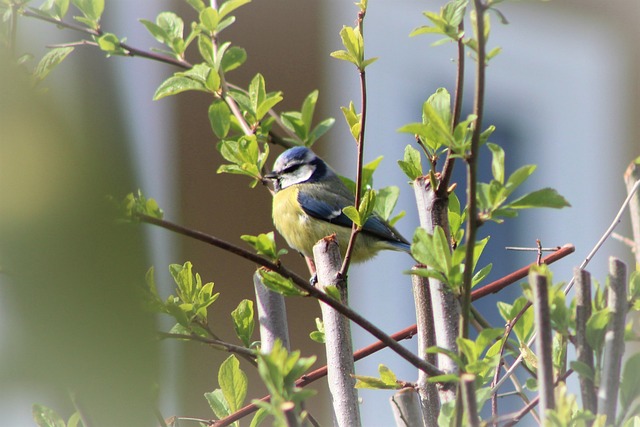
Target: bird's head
pixel 296 166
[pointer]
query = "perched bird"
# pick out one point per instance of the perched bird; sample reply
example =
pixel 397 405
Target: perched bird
pixel 307 206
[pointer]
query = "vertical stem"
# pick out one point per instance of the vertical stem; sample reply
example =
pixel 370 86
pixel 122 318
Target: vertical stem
pixel 428 392
pixel 358 195
pixel 272 316
pixel 544 343
pixel 13 30
pixel 613 340
pixel 338 345
pixel 631 180
pixel 468 388
pixel 433 212
pixel 583 349
pixel 447 168
pixel 405 405
pixel 472 174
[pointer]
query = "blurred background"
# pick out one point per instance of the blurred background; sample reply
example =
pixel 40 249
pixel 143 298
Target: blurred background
pixel 563 94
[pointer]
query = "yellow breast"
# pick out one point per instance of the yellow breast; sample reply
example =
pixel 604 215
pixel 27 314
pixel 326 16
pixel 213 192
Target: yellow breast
pixel 302 231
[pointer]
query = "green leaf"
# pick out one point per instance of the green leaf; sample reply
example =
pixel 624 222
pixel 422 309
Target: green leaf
pixel 158 33
pixel 265 244
pixel 218 403
pixel 219 118
pixel 279 284
pixel 497 162
pixel 110 43
pixel 333 292
pixel 209 18
pixel 52 58
pixel 198 5
pixel 46 417
pixel 243 321
pixel 318 335
pixel 231 5
pixel 319 130
pixel 597 327
pixel 387 376
pixel 544 198
pixel 411 165
pixel 582 369
pixel 233 58
pixel 259 416
pixel 172 25
pixel 177 84
pixel 518 177
pixel 91 9
pixel 386 199
pixel 352 213
pixel 55 8
pixel 233 382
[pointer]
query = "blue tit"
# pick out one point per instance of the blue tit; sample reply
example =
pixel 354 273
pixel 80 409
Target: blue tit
pixel 307 206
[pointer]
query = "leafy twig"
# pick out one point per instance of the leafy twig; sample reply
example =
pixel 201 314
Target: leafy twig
pixel 130 50
pixel 301 283
pixel 363 118
pixel 246 353
pixel 447 168
pixel 472 173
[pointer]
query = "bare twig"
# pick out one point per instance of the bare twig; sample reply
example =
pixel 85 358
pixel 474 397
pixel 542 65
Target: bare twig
pixel 469 397
pixel 544 342
pixel 339 348
pixel 632 180
pixel 583 348
pixel 427 392
pixel 405 405
pixel 272 316
pixel 613 340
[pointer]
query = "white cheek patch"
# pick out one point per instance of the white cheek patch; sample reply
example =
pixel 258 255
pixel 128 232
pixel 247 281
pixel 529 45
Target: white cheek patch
pixel 300 175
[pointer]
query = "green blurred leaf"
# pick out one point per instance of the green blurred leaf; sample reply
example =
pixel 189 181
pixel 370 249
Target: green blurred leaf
pixel 46 417
pixel 230 5
pixel 218 403
pixel 630 384
pixel 198 5
pixel 55 8
pixel 497 162
pixel 219 118
pixel 91 9
pixel 233 58
pixel 243 321
pixel 209 18
pixel 52 58
pixel 177 84
pixel 110 43
pixel 233 382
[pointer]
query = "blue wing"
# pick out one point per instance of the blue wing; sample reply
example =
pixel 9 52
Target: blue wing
pixel 332 212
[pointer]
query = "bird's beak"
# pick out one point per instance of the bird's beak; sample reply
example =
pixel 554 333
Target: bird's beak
pixel 275 178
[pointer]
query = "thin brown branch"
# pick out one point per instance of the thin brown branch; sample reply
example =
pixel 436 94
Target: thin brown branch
pixel 447 168
pixel 472 173
pixel 520 274
pixel 246 353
